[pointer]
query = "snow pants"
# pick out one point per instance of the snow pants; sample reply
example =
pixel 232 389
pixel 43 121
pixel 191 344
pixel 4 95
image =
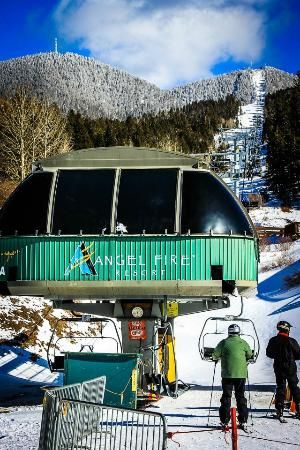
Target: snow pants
pixel 281 380
pixel 239 389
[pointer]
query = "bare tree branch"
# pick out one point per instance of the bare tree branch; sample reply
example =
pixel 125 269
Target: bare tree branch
pixel 30 129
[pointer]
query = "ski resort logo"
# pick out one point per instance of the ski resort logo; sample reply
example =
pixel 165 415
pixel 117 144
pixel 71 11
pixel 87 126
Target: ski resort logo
pixel 82 259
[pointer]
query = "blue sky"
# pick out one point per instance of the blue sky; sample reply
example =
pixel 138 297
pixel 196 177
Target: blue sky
pixel 167 42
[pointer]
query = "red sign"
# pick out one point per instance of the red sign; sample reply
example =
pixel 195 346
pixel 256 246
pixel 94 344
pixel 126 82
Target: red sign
pixel 137 329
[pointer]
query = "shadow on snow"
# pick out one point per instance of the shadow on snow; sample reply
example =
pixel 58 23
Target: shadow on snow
pixel 275 289
pixel 22 376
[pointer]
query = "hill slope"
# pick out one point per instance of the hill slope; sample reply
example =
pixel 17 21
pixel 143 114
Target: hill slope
pixel 97 90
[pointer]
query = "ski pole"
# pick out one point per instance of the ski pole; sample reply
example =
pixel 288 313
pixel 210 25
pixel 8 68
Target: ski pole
pixel 211 393
pixel 249 396
pixel 272 399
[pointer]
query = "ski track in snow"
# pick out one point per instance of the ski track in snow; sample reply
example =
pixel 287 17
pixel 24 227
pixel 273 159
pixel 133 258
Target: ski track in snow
pixel 272 302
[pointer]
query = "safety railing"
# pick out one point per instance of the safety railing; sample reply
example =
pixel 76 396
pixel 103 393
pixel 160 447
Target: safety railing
pixel 97 427
pixel 91 390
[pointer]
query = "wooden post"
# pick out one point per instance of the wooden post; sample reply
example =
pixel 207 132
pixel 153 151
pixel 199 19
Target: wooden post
pixel 234 434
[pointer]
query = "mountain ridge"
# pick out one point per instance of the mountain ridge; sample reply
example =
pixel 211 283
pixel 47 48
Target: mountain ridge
pixel 95 89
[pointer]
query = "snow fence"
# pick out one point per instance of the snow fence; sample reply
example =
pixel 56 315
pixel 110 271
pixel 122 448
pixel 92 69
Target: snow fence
pixel 98 427
pixel 91 390
pixel 75 418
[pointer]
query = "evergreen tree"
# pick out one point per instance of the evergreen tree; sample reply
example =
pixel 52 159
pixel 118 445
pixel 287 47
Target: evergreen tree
pixel 80 131
pixel 282 131
pixel 188 129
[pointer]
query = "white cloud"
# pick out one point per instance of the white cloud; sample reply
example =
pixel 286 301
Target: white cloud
pixel 164 45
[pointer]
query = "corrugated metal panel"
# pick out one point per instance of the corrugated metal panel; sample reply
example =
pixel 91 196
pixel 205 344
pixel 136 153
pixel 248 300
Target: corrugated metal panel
pixel 135 258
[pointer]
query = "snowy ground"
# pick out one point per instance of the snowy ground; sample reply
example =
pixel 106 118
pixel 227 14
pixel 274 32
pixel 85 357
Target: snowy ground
pixel 273 216
pixel 187 415
pixel 20 428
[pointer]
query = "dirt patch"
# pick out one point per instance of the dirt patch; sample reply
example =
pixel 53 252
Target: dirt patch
pixel 6 188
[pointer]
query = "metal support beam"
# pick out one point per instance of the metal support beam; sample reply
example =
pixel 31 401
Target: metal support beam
pixel 115 310
pixel 205 305
pixel 104 309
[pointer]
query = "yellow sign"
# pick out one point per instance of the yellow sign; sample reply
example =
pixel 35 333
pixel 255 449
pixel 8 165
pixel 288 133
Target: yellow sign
pixel 134 380
pixel 172 309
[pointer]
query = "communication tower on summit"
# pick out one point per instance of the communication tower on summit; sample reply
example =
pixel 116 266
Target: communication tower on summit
pixel 55 46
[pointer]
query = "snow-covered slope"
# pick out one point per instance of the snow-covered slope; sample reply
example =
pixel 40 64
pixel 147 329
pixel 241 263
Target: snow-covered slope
pixel 95 89
pixel 254 110
pixel 240 156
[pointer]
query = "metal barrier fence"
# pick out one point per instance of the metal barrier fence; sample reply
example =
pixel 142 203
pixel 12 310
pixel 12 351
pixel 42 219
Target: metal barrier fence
pixel 98 427
pixel 92 390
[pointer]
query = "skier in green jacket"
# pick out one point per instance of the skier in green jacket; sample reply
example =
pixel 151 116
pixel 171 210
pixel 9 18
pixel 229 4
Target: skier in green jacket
pixel 234 353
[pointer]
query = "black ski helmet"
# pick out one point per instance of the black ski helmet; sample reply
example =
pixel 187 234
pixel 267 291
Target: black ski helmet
pixel 284 326
pixel 234 329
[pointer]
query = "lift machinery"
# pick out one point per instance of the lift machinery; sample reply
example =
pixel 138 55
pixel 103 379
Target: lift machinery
pixel 139 235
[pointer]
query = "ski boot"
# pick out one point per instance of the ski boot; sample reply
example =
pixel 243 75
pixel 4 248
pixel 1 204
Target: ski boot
pixel 243 426
pixel 279 415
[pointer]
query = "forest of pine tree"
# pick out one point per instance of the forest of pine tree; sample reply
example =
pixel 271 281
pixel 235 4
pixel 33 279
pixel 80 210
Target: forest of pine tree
pixel 190 129
pixel 282 133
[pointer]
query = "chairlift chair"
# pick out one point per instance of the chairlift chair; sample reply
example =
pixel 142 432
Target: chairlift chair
pixel 56 361
pixel 206 351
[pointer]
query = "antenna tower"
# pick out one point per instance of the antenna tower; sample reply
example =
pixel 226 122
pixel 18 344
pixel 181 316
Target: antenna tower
pixel 55 46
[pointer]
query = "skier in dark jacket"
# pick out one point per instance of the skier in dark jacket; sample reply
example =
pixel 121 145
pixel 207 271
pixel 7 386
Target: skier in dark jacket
pixel 234 353
pixel 285 350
